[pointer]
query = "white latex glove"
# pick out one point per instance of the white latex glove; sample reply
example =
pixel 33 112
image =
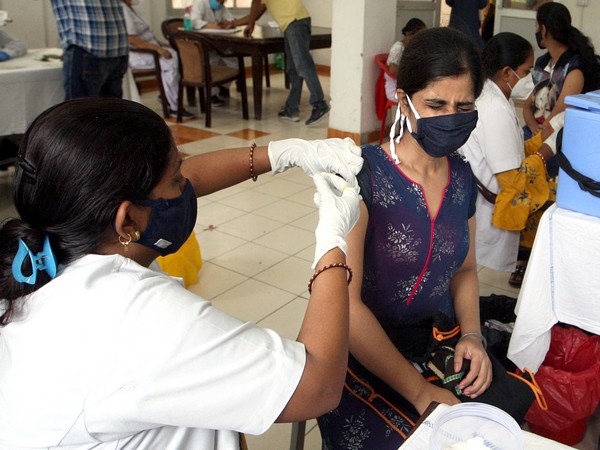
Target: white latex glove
pixel 341 156
pixel 337 201
pixel 557 122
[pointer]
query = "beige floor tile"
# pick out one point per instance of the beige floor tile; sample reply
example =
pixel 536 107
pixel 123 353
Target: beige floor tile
pixel 215 215
pixel 287 320
pixel 308 222
pixel 275 438
pixel 214 280
pixel 287 239
pixel 214 243
pixel 284 211
pixel 250 226
pixel 291 275
pixel 497 279
pixel 305 197
pixel 249 259
pixel 280 187
pixel 250 200
pixel 252 300
pixel 308 254
pixel 297 175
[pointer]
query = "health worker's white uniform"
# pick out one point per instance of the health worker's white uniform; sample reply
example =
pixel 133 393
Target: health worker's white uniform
pixel 495 146
pixel 112 355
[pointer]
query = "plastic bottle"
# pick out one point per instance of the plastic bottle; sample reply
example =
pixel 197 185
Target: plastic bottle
pixel 187 21
pixel 279 64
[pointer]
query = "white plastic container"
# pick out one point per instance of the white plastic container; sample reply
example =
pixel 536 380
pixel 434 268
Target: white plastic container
pixel 465 421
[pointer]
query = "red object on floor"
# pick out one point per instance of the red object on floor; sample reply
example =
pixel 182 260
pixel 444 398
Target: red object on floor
pixel 570 381
pixel 571 435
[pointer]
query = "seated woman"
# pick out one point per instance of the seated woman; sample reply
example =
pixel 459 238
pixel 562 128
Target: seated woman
pixel 99 349
pixel 413 255
pixel 413 26
pixel 140 36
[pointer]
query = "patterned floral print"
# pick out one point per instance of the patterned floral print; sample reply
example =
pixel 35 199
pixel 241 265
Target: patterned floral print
pixel 409 261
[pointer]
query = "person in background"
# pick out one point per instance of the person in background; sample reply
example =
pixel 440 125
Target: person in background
pixel 93 37
pixel 413 256
pixel 413 26
pixel 10 46
pixel 141 37
pixel 487 24
pixel 213 14
pixel 295 23
pixel 465 17
pixel 570 66
pixel 495 151
pixel 99 349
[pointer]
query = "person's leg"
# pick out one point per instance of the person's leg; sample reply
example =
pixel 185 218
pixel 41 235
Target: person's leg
pixel 292 104
pixel 297 36
pixel 170 78
pixel 81 75
pixel 112 71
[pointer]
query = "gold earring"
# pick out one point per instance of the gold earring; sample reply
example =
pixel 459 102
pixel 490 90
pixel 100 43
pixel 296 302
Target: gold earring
pixel 125 243
pixel 136 235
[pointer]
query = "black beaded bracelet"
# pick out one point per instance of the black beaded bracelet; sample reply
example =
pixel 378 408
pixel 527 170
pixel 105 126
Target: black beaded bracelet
pixel 252 176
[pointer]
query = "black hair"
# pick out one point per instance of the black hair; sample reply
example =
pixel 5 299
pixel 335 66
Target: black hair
pixel 413 25
pixel 77 163
pixel 557 20
pixel 504 49
pixel 437 53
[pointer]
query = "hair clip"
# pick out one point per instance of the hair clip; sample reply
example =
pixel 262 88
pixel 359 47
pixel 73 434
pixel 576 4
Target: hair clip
pixel 44 260
pixel 29 170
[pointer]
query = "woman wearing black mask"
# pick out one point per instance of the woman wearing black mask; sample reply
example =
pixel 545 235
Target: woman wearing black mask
pixel 569 67
pixel 413 251
pixel 100 350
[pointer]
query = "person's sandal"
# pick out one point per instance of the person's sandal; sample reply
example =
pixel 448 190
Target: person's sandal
pixel 516 278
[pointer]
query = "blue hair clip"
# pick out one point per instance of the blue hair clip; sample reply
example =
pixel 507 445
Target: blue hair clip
pixel 44 260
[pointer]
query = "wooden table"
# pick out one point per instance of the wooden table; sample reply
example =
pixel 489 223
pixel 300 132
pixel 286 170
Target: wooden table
pixel 264 40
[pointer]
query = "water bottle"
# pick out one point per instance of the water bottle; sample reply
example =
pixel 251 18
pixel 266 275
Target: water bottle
pixel 187 21
pixel 279 64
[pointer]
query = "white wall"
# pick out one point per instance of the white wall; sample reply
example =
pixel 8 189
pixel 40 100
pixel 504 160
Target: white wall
pixel 361 29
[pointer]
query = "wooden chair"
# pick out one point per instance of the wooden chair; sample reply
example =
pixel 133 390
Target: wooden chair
pixel 197 72
pixel 171 26
pixel 155 72
pixel 380 97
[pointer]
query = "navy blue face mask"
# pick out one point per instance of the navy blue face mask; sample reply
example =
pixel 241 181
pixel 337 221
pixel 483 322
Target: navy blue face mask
pixel 442 135
pixel 171 222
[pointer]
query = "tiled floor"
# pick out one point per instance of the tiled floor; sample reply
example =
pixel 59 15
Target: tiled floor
pixel 257 239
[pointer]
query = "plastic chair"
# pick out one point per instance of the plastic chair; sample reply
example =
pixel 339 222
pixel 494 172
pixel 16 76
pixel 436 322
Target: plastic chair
pixel 197 72
pixel 155 72
pixel 382 103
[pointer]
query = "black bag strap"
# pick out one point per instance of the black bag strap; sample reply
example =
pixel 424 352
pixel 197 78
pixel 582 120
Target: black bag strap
pixel 487 194
pixel 585 183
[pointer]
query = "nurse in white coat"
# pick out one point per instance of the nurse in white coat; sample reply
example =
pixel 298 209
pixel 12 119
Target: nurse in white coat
pixel 496 145
pixel 99 349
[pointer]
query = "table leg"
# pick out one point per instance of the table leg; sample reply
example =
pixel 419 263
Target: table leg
pixel 257 70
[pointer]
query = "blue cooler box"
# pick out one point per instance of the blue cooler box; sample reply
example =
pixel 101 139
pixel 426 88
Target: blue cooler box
pixel 581 146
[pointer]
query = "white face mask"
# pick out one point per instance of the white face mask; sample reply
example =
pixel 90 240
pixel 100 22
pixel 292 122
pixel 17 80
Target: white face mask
pixel 522 88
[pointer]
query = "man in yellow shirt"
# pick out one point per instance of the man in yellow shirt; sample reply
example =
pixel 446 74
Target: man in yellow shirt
pixel 294 22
